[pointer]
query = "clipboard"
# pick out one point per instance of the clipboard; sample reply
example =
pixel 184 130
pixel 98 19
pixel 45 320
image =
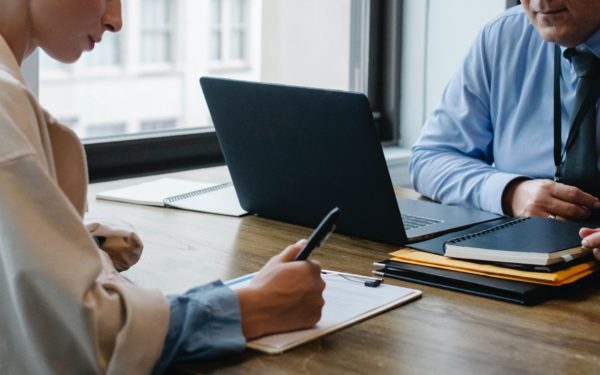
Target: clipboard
pixel 347 302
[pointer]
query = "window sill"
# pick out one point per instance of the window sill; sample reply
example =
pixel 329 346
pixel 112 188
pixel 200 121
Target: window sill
pixel 223 68
pixel 397 159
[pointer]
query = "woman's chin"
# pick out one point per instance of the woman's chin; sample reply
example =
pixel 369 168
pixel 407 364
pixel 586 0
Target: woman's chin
pixel 66 57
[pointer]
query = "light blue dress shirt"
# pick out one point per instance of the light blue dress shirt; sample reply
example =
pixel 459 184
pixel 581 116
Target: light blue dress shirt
pixel 495 119
pixel 205 322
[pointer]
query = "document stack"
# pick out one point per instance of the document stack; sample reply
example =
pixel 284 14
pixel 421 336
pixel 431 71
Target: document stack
pixel 517 260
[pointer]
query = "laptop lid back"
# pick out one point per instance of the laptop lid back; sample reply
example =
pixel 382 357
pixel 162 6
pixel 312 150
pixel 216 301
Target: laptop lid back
pixel 294 153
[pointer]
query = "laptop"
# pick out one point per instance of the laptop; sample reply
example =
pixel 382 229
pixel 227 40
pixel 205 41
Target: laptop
pixel 294 153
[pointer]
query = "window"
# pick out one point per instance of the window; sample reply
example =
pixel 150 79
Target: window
pixel 229 32
pixel 157 30
pixel 104 130
pixel 216 32
pixel 158 125
pixel 143 81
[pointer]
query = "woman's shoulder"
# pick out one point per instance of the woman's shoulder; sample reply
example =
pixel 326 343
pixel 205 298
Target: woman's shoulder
pixel 18 111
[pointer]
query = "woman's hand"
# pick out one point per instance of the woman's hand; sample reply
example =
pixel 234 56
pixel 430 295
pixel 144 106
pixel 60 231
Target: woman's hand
pixel 285 295
pixel 591 240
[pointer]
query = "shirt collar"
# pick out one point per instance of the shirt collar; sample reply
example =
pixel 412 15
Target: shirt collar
pixel 8 61
pixel 592 44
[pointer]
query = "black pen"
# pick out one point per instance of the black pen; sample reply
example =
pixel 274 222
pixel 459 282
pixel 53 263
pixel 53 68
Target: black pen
pixel 320 234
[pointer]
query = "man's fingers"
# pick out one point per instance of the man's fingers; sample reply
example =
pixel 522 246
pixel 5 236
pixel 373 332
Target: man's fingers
pixel 574 195
pixel 558 217
pixel 565 209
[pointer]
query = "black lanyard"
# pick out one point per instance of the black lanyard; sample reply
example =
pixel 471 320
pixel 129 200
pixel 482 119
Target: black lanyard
pixel 559 154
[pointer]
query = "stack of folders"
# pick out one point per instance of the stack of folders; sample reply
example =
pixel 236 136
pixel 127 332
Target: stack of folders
pixel 516 260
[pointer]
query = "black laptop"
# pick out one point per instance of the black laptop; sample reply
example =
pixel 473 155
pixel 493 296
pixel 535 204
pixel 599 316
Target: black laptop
pixel 294 153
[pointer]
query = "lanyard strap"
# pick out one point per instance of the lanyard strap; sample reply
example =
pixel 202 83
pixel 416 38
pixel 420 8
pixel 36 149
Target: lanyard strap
pixel 557 115
pixel 581 111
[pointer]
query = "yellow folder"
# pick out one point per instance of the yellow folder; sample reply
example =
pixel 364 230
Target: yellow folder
pixel 557 278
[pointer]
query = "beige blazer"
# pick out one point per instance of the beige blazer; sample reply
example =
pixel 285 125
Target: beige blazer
pixel 63 307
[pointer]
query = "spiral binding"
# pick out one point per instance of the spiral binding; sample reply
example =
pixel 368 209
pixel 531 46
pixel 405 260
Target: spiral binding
pixel 485 231
pixel 191 194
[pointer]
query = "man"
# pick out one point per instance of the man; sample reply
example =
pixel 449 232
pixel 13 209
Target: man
pixel 490 143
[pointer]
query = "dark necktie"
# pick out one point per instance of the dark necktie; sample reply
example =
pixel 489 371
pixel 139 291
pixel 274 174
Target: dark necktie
pixel 580 165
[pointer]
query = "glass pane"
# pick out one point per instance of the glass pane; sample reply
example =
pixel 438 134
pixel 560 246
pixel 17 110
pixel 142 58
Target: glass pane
pixel 146 77
pixel 238 12
pixel 237 45
pixel 216 9
pixel 215 45
pixel 156 47
pixel 158 125
pixel 104 130
pixel 155 13
pixel 155 36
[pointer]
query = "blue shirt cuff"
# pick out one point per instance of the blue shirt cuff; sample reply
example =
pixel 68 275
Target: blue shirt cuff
pixel 493 189
pixel 205 322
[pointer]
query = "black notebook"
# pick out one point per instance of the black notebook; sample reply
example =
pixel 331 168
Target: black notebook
pixel 490 287
pixel 535 241
pixel 504 290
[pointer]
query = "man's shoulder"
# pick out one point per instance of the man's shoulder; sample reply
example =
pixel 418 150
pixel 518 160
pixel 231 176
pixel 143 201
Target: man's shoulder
pixel 512 21
pixel 511 27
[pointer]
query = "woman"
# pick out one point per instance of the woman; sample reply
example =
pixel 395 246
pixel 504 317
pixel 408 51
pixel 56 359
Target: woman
pixel 64 307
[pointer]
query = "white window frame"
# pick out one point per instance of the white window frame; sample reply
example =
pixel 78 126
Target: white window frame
pixel 226 27
pixel 136 37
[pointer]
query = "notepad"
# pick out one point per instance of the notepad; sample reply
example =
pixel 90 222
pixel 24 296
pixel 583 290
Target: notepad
pixel 347 302
pixel 182 194
pixel 531 240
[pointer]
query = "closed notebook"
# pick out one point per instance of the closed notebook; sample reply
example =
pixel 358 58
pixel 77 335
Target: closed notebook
pixel 561 277
pixel 533 240
pixel 500 289
pixel 183 194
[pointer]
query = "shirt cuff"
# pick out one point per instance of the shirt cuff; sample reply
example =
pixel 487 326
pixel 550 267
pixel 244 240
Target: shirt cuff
pixel 205 322
pixel 493 189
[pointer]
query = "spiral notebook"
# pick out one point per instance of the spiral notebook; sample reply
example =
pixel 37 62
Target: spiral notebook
pixel 533 240
pixel 183 194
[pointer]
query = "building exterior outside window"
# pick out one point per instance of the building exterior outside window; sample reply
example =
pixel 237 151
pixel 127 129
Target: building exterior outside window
pixel 229 32
pixel 145 78
pixel 157 26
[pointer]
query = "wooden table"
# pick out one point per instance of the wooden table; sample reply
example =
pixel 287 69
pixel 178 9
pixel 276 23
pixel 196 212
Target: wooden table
pixel 443 332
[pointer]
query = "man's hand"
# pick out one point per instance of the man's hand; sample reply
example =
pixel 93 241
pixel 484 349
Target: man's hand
pixel 547 198
pixel 591 240
pixel 285 295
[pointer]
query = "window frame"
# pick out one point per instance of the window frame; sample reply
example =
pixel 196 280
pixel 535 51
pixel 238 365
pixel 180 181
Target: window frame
pixel 385 68
pixel 167 30
pixel 125 156
pixel 226 27
pixel 144 154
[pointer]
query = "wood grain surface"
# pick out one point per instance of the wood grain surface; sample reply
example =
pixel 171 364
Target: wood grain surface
pixel 444 332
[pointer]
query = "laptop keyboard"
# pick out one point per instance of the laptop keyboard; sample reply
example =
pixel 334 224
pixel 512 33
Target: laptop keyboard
pixel 412 222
